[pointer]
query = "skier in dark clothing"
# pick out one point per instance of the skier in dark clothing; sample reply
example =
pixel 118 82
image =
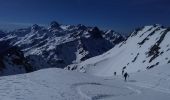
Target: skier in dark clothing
pixel 115 73
pixel 123 71
pixel 124 67
pixel 125 76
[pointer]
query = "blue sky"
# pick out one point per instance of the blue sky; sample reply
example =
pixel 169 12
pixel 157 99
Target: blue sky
pixel 119 15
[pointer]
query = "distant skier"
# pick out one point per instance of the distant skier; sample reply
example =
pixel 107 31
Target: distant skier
pixel 123 70
pixel 115 73
pixel 124 67
pixel 125 76
pixel 68 67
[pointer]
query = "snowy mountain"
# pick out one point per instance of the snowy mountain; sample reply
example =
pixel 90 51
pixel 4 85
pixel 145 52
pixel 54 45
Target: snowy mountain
pixel 144 54
pixel 144 49
pixel 12 60
pixel 62 45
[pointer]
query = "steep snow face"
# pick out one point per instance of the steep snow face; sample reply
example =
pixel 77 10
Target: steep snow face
pixel 61 45
pixel 144 49
pixel 12 60
pixel 58 84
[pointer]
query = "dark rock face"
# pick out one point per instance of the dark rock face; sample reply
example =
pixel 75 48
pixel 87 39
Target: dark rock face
pixel 149 67
pixel 154 51
pixel 96 33
pixel 12 56
pixel 54 25
pixel 135 58
pixel 35 27
pixel 81 27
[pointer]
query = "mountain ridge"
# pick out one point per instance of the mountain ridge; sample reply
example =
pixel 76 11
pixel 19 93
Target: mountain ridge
pixel 144 49
pixel 60 45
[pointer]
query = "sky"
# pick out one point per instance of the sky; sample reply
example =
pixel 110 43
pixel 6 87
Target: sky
pixel 120 15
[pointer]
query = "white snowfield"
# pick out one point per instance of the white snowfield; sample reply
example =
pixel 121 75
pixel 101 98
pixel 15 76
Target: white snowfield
pixel 58 84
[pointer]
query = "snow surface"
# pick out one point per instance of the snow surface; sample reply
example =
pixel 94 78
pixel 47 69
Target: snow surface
pixel 59 84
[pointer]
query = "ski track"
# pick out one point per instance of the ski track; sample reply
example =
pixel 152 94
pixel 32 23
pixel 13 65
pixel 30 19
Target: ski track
pixel 153 87
pixel 78 88
pixel 135 90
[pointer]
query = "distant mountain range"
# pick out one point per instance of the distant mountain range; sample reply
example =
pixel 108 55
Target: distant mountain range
pixel 83 48
pixel 56 46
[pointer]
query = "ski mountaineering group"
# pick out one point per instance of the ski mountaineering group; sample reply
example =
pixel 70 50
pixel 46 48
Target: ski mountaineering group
pixel 124 73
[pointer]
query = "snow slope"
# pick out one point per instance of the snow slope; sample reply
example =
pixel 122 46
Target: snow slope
pixel 58 84
pixel 144 49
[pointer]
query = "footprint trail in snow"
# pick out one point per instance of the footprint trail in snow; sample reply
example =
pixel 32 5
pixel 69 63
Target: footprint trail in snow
pixel 98 91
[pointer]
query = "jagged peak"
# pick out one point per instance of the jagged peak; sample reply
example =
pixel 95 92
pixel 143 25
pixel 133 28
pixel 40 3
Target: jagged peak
pixel 153 26
pixel 95 32
pixel 112 32
pixel 81 27
pixel 95 29
pixel 35 27
pixel 145 28
pixel 157 25
pixel 54 24
pixel 109 31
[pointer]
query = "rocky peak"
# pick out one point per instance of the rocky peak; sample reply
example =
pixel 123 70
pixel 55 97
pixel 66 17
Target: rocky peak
pixel 12 58
pixel 95 32
pixel 81 27
pixel 35 27
pixel 54 25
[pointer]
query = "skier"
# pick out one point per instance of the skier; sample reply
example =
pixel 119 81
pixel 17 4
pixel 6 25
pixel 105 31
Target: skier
pixel 115 73
pixel 123 70
pixel 125 76
pixel 124 67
